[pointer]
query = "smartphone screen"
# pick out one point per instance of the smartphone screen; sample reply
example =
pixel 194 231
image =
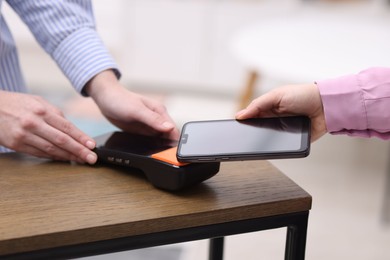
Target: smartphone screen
pixel 260 138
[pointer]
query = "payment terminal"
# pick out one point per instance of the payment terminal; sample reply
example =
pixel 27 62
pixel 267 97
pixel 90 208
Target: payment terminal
pixel 155 157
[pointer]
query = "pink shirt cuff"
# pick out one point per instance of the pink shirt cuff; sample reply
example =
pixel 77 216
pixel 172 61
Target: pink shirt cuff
pixel 358 104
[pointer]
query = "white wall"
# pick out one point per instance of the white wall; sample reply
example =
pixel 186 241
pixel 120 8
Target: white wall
pixel 169 45
pixel 164 44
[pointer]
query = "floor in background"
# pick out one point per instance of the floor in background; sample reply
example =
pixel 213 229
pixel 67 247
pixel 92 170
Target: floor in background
pixel 346 177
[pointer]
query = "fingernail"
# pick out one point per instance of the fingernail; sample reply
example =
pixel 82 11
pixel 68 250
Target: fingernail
pixel 91 158
pixel 240 113
pixel 90 144
pixel 168 125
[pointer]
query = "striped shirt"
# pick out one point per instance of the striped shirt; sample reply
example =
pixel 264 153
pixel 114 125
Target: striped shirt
pixel 66 31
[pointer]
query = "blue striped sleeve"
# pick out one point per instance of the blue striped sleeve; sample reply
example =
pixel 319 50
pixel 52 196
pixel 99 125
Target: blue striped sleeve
pixel 81 56
pixel 66 30
pixel 11 78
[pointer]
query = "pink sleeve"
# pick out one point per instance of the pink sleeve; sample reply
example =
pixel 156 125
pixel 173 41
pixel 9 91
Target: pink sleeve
pixel 358 105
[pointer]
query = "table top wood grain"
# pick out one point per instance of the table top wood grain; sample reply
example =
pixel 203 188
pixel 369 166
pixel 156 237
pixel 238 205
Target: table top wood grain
pixel 45 204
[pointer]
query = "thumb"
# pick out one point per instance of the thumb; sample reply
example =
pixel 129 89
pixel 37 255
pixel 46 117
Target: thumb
pixel 243 114
pixel 262 106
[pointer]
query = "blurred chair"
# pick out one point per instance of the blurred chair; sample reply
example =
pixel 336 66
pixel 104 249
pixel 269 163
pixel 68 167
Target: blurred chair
pixel 311 44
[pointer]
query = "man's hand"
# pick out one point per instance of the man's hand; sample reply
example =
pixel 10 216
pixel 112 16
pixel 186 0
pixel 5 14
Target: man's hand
pixel 129 111
pixel 29 124
pixel 290 100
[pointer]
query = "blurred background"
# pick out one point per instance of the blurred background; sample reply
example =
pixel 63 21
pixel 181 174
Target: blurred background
pixel 207 58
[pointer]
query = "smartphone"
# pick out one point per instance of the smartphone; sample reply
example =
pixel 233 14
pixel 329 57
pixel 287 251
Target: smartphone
pixel 251 139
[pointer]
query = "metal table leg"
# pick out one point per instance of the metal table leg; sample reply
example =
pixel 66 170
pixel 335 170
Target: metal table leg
pixel 216 248
pixel 296 240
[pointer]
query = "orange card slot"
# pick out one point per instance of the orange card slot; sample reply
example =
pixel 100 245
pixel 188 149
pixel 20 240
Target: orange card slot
pixel 168 156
